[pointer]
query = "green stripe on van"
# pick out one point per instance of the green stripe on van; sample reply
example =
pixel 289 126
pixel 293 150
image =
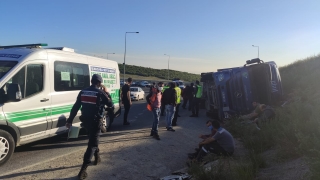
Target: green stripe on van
pixel 37 113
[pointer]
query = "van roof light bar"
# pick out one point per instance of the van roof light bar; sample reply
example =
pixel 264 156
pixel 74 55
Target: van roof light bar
pixel 25 45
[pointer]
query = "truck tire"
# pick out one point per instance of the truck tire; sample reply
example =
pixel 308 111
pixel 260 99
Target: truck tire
pixel 7 146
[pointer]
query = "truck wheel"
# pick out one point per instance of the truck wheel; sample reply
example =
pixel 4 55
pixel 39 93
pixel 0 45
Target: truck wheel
pixel 6 146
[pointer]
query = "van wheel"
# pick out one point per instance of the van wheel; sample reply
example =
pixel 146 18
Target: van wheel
pixel 6 146
pixel 106 122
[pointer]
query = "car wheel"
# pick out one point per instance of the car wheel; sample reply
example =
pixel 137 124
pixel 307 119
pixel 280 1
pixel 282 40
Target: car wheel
pixel 106 122
pixel 7 146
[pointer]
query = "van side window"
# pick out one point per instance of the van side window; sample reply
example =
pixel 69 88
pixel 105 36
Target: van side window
pixel 70 76
pixel 30 79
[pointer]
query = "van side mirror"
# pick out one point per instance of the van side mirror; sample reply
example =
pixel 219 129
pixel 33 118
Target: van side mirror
pixel 14 93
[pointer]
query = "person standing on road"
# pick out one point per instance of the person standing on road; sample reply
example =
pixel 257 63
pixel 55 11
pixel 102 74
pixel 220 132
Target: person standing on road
pixel 154 100
pixel 197 99
pixel 178 102
pixel 166 86
pixel 126 100
pixel 92 100
pixel 185 97
pixel 191 96
pixel 169 98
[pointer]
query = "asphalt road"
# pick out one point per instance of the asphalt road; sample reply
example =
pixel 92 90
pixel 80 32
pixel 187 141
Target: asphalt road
pixel 35 153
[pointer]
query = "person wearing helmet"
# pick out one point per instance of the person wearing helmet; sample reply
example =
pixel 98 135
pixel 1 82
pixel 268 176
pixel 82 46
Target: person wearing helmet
pixel 92 100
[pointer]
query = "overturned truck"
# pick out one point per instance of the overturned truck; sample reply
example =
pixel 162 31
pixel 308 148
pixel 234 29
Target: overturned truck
pixel 231 91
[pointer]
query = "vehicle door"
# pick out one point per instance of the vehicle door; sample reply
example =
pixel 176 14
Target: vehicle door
pixel 32 113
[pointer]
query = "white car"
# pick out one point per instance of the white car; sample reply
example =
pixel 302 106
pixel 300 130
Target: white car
pixel 136 93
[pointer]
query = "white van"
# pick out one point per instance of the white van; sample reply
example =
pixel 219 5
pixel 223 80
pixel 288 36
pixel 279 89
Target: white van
pixel 39 87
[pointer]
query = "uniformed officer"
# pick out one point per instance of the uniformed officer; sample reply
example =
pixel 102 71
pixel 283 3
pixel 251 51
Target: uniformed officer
pixel 92 100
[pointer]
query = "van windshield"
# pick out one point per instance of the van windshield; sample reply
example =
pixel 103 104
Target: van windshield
pixel 6 66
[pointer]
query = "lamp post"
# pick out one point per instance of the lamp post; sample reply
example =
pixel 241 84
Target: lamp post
pixel 125 50
pixel 258 49
pixel 109 53
pixel 168 64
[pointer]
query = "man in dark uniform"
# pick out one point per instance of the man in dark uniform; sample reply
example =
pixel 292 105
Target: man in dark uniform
pixel 92 100
pixel 126 100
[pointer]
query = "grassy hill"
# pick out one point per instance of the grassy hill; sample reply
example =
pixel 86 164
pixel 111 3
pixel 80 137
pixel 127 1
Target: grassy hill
pixel 159 73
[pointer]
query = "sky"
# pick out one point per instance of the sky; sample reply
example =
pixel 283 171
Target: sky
pixel 200 36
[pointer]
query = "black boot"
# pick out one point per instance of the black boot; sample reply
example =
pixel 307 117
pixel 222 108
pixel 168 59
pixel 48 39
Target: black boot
pixel 97 158
pixel 156 136
pixel 83 172
pixel 152 133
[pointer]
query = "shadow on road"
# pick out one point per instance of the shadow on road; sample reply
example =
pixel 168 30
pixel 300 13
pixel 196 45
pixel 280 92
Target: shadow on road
pixel 16 175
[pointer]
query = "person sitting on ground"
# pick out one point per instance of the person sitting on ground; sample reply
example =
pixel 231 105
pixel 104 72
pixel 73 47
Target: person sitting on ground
pixel 267 113
pixel 204 137
pixel 222 143
pixel 256 112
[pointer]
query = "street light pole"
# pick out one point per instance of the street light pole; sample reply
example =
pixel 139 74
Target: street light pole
pixel 168 65
pixel 258 49
pixel 125 50
pixel 109 53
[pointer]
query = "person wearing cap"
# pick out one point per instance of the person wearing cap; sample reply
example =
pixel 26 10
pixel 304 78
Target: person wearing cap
pixel 92 100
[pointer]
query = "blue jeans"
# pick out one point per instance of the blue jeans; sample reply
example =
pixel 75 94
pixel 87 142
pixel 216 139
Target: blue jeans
pixel 156 116
pixel 170 109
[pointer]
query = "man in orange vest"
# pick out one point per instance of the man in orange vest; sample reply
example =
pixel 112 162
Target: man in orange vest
pixel 154 101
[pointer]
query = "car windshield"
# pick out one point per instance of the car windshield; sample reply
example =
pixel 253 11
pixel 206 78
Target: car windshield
pixel 6 66
pixel 134 89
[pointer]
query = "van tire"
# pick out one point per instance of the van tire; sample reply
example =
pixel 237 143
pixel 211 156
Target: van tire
pixel 107 122
pixel 7 146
